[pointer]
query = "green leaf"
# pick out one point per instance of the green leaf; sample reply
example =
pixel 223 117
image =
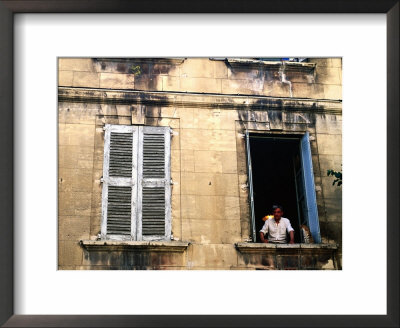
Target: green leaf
pixel 337 174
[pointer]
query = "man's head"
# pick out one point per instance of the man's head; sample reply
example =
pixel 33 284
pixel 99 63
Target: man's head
pixel 277 210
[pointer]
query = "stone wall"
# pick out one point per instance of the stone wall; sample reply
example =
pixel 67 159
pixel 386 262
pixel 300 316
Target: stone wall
pixel 209 206
pixel 203 75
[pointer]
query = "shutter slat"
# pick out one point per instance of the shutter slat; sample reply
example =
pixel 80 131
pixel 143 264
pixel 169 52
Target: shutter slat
pixel 119 210
pixel 153 155
pixel 153 211
pixel 120 154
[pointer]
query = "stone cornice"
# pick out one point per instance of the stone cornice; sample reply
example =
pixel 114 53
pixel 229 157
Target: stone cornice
pixel 271 65
pixel 197 100
pixel 153 60
pixel 131 246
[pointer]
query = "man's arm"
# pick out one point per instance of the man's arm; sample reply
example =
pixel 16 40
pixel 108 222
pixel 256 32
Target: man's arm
pixel 263 240
pixel 291 233
pixel 263 231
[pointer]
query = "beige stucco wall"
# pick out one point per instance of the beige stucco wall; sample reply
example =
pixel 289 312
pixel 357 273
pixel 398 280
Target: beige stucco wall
pixel 208 165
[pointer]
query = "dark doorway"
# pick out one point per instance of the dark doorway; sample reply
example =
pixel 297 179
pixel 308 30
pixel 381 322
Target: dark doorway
pixel 276 168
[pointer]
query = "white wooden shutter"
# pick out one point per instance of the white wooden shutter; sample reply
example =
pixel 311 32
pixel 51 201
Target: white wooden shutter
pixel 119 182
pixel 154 187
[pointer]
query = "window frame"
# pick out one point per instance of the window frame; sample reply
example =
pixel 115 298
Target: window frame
pixel 311 213
pixel 135 181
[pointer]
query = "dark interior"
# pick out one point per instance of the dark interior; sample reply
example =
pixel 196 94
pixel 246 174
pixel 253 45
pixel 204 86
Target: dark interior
pixel 273 161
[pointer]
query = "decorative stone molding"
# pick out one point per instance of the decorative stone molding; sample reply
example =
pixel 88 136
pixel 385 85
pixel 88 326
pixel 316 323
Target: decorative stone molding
pixel 130 246
pixel 272 65
pixel 269 247
pixel 170 61
pixel 269 256
pixel 197 100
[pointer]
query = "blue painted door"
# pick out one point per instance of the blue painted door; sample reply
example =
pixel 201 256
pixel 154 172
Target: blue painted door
pixel 311 210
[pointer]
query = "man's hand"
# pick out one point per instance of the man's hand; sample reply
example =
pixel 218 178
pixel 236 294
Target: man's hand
pixel 291 242
pixel 262 237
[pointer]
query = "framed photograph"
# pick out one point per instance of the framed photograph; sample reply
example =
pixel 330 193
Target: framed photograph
pixel 189 166
pixel 240 172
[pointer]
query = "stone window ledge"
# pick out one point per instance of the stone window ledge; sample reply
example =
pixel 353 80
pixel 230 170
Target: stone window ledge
pixel 269 247
pixel 131 246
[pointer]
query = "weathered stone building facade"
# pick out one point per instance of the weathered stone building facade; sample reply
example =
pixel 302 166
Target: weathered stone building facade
pixel 237 136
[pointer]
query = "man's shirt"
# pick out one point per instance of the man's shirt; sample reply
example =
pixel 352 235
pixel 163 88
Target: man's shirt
pixel 277 231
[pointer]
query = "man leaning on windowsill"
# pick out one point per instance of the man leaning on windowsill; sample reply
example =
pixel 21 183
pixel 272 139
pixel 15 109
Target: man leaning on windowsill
pixel 276 228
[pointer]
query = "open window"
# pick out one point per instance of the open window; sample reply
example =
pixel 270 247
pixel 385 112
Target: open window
pixel 136 183
pixel 280 172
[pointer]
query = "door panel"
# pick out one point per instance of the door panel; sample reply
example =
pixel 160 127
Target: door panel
pixel 251 192
pixel 310 204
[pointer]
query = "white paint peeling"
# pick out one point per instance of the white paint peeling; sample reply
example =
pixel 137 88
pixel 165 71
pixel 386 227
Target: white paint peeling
pixel 165 182
pixel 136 181
pixel 117 181
pixel 282 76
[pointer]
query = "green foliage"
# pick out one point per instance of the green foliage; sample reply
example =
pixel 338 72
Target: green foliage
pixel 337 175
pixel 135 70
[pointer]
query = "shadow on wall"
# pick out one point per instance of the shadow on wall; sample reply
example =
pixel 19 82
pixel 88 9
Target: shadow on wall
pixel 132 260
pixel 146 71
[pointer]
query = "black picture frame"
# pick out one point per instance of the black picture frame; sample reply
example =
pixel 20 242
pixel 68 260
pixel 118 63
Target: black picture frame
pixel 7 11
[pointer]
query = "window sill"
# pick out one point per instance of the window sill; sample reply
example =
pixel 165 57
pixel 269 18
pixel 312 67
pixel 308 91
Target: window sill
pixel 157 246
pixel 288 256
pixel 269 247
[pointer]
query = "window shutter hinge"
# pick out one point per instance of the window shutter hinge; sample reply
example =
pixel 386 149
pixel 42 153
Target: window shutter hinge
pixel 241 135
pixel 101 180
pixel 172 237
pixel 244 186
pixel 173 133
pixel 104 128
